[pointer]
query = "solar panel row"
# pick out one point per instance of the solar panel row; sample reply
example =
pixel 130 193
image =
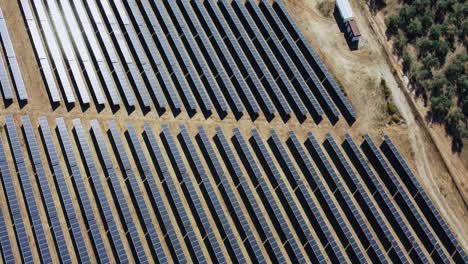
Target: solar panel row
pixel 117 191
pixel 192 197
pixel 110 221
pixel 245 231
pixel 178 209
pixel 263 190
pixel 250 64
pixel 26 187
pixel 5 245
pixel 14 209
pixel 155 196
pixel 406 204
pixel 245 191
pixel 381 229
pixel 314 61
pixel 279 225
pixel 48 200
pixel 425 204
pixel 13 63
pixel 344 233
pixel 79 184
pixel 348 206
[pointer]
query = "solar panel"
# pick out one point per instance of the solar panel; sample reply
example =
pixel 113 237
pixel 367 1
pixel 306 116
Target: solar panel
pixel 11 57
pixel 102 32
pixel 334 215
pixel 315 62
pixel 143 63
pixel 284 195
pixel 108 218
pixel 96 52
pixel 177 205
pixel 198 59
pixel 26 186
pixel 192 197
pixel 245 231
pixel 81 48
pixel 62 187
pixel 5 245
pixel 306 199
pixel 208 52
pixel 223 54
pixel 196 85
pixel 425 204
pixel 126 58
pixel 387 239
pixel 360 227
pixel 5 81
pixel 178 78
pixel 210 196
pixel 405 202
pixel 267 197
pixel 246 193
pixel 283 55
pixel 388 208
pixel 260 76
pixel 157 200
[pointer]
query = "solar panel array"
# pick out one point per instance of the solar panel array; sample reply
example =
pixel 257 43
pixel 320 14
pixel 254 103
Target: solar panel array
pixel 13 66
pixel 209 195
pixel 209 56
pixel 106 191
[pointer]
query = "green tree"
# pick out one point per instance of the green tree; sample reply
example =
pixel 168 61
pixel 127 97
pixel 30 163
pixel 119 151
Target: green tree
pixel 415 29
pixel 407 62
pixel 440 107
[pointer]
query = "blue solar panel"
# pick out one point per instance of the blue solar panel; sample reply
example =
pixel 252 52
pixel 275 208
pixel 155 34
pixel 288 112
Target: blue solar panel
pixel 136 192
pixel 48 200
pixel 334 215
pixel 5 245
pixel 195 82
pixel 102 32
pixel 348 206
pixel 177 204
pixel 192 197
pixel 243 227
pixel 284 195
pixel 5 81
pixel 199 61
pixel 172 64
pixel 210 195
pixel 401 229
pixel 314 61
pixel 425 204
pixel 26 185
pixel 405 203
pixel 102 200
pixel 63 190
pixel 157 200
pixel 375 218
pixel 309 206
pixel 208 51
pixel 260 76
pixel 246 192
pixel 223 54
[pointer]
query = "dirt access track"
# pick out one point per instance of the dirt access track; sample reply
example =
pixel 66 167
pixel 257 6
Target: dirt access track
pixel 442 173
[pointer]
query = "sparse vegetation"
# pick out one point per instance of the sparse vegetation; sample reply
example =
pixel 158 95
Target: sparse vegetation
pixel 431 37
pixel 326 7
pixel 391 108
